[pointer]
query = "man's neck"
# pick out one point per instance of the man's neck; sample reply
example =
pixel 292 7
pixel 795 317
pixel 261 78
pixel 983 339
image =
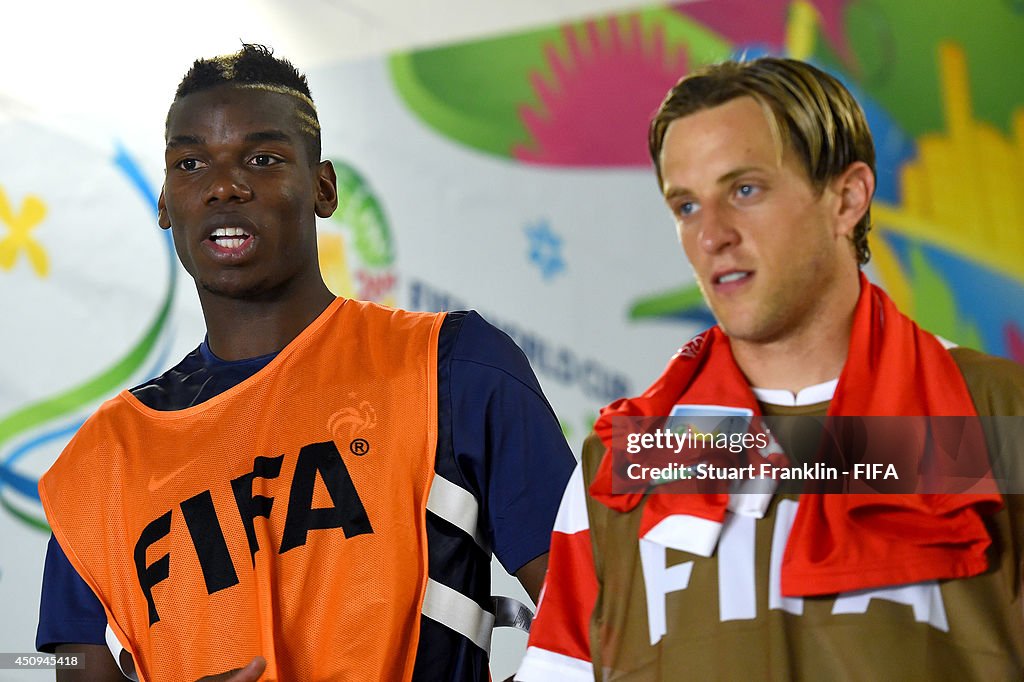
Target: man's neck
pixel 239 328
pixel 803 357
pixel 791 366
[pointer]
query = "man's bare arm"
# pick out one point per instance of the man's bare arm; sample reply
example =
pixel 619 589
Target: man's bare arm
pixel 531 576
pixel 97 664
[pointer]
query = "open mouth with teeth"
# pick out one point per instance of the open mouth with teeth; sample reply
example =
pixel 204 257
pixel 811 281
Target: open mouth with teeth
pixel 229 237
pixel 731 277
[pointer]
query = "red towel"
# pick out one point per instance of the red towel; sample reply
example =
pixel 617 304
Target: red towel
pixel 839 542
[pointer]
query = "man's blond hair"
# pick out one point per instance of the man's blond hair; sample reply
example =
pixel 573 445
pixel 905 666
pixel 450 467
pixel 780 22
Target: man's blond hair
pixel 808 111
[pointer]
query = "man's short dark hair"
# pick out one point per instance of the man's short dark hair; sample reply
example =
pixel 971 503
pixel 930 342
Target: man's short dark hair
pixel 255 66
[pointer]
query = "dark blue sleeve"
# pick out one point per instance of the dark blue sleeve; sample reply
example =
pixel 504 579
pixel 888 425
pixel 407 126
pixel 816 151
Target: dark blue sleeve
pixel 507 442
pixel 69 613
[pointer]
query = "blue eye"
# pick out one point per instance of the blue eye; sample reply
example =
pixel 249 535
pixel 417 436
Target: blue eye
pixel 688 208
pixel 746 190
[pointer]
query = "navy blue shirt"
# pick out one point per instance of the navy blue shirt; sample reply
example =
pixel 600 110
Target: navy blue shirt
pixel 497 437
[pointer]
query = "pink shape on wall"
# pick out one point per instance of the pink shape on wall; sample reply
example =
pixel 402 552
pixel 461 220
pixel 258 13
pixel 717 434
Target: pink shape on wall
pixel 764 22
pixel 595 108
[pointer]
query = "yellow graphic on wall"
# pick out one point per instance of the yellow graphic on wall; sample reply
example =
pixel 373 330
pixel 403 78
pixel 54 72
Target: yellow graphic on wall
pixel 962 193
pixel 801 29
pixel 17 238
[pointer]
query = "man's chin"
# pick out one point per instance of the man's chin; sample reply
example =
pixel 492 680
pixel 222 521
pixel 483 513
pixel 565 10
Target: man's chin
pixel 236 290
pixel 742 328
pixel 754 332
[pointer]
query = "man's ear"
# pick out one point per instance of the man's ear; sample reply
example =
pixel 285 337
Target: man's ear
pixel 326 190
pixel 162 218
pixel 854 187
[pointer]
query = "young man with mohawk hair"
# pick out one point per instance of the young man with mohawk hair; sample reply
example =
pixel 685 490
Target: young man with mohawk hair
pixel 768 170
pixel 316 491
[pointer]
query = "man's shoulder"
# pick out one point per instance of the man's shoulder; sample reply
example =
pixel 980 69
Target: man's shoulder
pixel 473 341
pixel 126 409
pixel 108 415
pixel 474 337
pixel 391 314
pixel 83 451
pixel 996 384
pixel 470 336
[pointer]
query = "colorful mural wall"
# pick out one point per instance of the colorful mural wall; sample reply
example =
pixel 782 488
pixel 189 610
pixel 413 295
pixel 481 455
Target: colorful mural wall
pixel 941 88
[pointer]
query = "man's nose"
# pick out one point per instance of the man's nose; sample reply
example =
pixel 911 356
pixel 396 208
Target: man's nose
pixel 228 185
pixel 717 230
